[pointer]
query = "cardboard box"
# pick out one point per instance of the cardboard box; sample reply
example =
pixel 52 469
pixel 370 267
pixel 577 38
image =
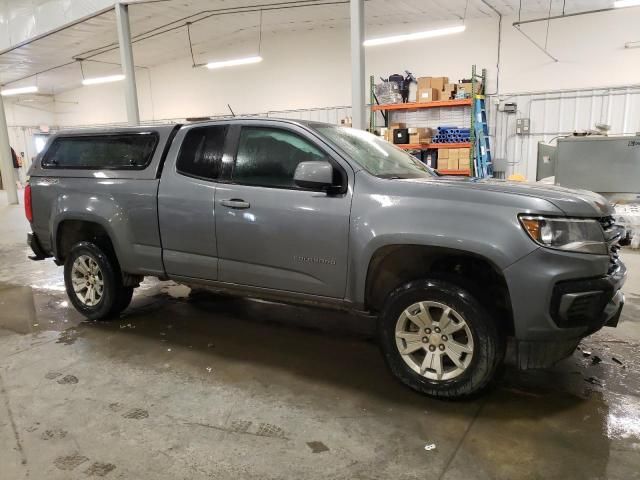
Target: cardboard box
pixel 439 82
pixel 424 82
pixel 443 163
pixel 423 132
pixel 466 87
pixel 420 135
pixel 418 138
pixel 453 159
pixel 449 91
pixel 463 158
pixel 443 153
pixel 464 152
pixel 427 95
pixel 392 127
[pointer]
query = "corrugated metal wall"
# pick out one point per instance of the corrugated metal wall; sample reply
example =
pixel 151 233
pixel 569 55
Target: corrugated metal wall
pixel 554 114
pixel 325 114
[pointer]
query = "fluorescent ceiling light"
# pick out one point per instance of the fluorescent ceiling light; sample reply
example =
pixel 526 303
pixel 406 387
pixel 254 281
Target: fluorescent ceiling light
pixel 97 80
pixel 233 63
pixel 626 3
pixel 414 36
pixel 18 90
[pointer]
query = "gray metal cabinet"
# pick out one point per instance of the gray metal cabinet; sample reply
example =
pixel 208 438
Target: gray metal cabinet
pixel 598 163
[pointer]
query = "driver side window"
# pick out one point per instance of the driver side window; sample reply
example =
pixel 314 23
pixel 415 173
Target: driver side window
pixel 268 157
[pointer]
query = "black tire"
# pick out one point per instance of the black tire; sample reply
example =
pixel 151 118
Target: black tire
pixel 115 297
pixel 124 299
pixel 488 342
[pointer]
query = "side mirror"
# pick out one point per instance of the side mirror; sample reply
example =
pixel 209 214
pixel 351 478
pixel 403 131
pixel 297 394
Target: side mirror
pixel 315 174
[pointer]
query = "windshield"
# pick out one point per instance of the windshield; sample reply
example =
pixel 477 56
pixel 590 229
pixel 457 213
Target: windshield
pixel 376 156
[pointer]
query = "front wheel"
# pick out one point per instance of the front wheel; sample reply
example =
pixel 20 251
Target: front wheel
pixel 93 282
pixel 439 340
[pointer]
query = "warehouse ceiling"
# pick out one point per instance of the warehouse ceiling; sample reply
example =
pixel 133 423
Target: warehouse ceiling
pixel 159 31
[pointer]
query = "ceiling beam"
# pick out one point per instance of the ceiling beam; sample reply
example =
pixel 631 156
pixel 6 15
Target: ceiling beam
pixel 564 15
pixel 540 47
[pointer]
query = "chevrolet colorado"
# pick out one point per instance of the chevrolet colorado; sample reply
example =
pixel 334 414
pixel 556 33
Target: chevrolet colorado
pixel 312 213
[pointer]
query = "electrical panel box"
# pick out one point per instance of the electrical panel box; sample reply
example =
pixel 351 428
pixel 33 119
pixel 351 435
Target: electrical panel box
pixel 522 126
pixel 510 107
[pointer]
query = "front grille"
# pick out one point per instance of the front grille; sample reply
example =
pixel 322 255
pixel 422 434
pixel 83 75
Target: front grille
pixel 613 234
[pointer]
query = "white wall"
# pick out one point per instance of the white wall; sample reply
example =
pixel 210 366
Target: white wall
pixel 590 50
pixel 309 70
pixel 312 69
pixel 20 113
pixel 299 71
pixel 24 121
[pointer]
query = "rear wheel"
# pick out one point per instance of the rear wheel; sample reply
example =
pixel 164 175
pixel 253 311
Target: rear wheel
pixel 124 299
pixel 94 283
pixel 439 340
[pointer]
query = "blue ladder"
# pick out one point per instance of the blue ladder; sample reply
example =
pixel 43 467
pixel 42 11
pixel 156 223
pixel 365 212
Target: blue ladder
pixel 483 166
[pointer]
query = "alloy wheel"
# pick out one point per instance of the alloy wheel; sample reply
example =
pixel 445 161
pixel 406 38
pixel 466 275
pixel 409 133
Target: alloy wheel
pixel 87 280
pixel 434 340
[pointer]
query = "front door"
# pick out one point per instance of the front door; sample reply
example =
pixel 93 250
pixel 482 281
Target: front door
pixel 276 235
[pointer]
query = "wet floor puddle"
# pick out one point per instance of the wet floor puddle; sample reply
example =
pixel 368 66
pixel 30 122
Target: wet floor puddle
pixel 583 400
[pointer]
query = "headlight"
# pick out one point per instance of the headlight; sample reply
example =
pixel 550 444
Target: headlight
pixel 570 234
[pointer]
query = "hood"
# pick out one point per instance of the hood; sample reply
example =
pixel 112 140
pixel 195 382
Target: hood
pixel 573 202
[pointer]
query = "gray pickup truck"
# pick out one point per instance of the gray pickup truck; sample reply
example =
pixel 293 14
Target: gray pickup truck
pixel 335 217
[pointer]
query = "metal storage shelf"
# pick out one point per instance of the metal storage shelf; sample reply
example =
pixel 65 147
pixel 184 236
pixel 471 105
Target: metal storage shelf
pixel 440 111
pixel 416 106
pixel 465 172
pixel 427 146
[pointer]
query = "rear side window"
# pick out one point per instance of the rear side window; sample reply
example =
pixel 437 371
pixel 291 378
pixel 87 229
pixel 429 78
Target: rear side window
pixel 201 152
pixel 127 151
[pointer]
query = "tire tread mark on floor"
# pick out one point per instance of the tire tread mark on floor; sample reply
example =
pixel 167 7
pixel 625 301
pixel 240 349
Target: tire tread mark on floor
pixel 23 457
pixel 260 433
pixel 461 441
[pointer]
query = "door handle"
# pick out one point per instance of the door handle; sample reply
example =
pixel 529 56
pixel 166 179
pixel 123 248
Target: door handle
pixel 235 203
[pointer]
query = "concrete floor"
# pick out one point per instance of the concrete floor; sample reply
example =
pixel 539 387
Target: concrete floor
pixel 197 386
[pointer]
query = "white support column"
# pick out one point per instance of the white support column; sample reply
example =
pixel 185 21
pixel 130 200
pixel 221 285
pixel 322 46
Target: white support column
pixel 357 65
pixel 126 59
pixel 6 162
